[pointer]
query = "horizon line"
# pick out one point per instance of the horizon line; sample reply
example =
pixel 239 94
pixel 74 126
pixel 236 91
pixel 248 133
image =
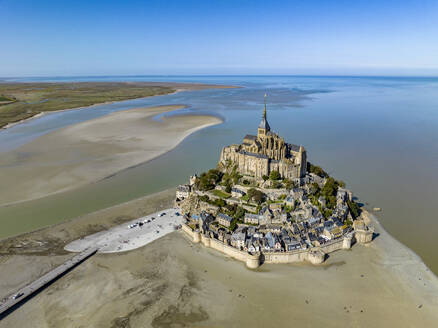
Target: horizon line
pixel 213 75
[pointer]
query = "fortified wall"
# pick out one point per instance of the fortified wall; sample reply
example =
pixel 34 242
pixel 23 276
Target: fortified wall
pixel 253 261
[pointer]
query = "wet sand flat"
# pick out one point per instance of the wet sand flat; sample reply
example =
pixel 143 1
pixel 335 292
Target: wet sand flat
pixel 175 283
pixel 92 150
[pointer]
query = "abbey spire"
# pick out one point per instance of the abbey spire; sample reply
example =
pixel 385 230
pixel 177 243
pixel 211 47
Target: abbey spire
pixel 264 125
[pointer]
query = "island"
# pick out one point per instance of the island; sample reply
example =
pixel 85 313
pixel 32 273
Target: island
pixel 265 203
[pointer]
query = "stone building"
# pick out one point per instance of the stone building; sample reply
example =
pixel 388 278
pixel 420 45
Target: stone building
pixel 224 219
pixel 260 155
pixel 183 191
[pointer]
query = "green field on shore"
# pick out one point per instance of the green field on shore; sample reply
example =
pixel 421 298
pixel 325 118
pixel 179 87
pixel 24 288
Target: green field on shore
pixel 29 99
pixel 3 98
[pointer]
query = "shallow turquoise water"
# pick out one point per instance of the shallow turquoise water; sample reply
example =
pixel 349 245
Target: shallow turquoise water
pixel 379 135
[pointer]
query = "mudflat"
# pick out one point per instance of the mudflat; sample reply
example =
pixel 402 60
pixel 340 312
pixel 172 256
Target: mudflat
pixel 89 151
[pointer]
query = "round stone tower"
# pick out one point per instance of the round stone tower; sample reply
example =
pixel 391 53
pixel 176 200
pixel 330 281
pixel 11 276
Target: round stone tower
pixel 346 244
pixel 196 236
pixel 253 261
pixel 364 236
pixel 316 256
pixel 205 240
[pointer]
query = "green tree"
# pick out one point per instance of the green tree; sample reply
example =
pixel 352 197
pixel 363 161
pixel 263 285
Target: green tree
pixel 354 208
pixel 256 195
pixel 316 170
pixel 288 184
pixel 208 180
pixel 240 213
pixel 233 225
pixel 274 175
pixel 329 192
pixel 327 213
pixel 219 202
pixel 265 177
pixel 314 189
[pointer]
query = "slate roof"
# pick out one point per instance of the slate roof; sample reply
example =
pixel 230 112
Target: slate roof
pixel 225 217
pixel 185 188
pixel 236 190
pixel 253 154
pixel 250 137
pixel 294 147
pixel 264 124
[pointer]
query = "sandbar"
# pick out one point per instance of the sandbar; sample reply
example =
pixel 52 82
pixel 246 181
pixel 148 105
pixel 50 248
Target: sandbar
pixel 90 151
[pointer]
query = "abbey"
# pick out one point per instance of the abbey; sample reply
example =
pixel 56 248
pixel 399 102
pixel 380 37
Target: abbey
pixel 260 155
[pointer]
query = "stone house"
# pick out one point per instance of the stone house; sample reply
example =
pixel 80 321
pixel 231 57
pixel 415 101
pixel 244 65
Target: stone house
pixel 253 218
pixel 332 232
pixel 316 178
pixel 236 192
pixel 290 201
pixel 273 241
pixel 313 221
pixel 341 196
pixel 253 245
pixel 267 213
pixel 276 206
pixel 183 191
pixel 224 220
pixel 273 228
pixel 238 239
pixel 219 187
pixel 291 244
pixel 341 211
pixel 204 220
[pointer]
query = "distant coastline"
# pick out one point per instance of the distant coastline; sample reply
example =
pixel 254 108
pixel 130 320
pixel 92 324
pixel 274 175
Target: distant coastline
pixel 173 89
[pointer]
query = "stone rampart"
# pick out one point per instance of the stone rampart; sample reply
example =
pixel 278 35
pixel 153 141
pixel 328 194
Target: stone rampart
pixel 251 261
pixel 187 230
pixel 285 257
pixel 312 255
pixel 332 246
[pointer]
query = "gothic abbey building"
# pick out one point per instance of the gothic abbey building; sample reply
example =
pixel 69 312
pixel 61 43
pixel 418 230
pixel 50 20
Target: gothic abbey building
pixel 260 155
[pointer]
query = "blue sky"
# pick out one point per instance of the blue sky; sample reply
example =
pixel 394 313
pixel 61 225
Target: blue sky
pixel 218 37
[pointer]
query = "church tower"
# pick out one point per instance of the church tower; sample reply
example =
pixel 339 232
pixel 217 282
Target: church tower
pixel 264 127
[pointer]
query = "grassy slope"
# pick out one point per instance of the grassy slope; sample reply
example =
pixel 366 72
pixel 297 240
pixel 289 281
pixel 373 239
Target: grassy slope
pixel 33 98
